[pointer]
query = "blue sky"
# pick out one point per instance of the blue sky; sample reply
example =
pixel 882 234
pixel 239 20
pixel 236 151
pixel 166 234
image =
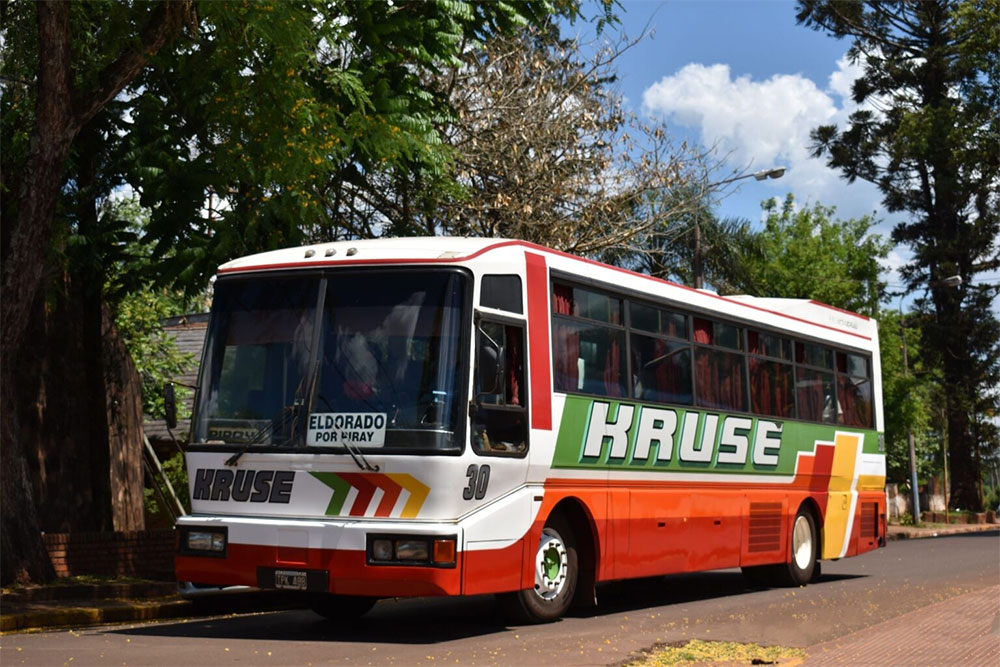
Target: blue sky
pixel 742 75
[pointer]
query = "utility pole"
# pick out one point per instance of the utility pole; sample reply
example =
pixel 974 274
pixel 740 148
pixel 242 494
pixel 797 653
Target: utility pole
pixel 909 428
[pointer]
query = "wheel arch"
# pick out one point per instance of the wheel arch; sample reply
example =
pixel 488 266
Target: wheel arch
pixel 581 521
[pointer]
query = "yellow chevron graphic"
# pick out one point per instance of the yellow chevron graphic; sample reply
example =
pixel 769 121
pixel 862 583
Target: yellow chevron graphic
pixel 418 493
pixel 843 485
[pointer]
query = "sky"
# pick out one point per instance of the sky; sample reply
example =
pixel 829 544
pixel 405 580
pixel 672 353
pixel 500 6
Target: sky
pixel 743 76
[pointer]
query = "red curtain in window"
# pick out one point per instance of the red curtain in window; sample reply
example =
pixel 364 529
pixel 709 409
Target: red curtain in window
pixel 566 341
pixel 770 387
pixel 704 379
pixel 855 404
pixel 666 375
pixel 612 369
pixel 513 366
pixel 761 386
pixel 811 396
pixel 730 374
pixel 783 403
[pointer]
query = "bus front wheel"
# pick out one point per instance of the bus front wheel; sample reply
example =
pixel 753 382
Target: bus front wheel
pixel 556 571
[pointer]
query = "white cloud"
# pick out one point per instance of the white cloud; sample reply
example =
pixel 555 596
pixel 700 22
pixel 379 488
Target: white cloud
pixel 761 123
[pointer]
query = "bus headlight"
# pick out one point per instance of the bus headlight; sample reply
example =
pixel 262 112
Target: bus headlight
pixel 203 542
pixel 427 550
pixel 412 549
pixel 382 549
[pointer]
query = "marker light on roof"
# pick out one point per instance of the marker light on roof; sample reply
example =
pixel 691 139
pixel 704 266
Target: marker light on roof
pixel 330 252
pixel 310 252
pixel 352 251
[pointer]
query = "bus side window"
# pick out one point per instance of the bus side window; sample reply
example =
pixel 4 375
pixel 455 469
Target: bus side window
pixel 499 414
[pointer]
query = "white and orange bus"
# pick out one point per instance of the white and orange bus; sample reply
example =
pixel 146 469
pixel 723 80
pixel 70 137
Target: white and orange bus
pixel 447 416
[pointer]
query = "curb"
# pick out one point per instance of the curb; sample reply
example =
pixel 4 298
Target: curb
pixel 115 612
pixel 911 533
pixel 91 610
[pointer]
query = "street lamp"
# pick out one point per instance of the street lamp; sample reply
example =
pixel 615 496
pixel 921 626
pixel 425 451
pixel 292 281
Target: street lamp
pixel 950 281
pixel 696 263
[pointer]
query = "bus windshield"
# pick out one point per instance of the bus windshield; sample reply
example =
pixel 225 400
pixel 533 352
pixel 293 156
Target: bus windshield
pixel 364 359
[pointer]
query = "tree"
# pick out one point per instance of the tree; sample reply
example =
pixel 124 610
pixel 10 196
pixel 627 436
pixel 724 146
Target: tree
pixel 807 254
pixel 927 132
pixel 907 398
pixel 667 250
pixel 240 106
pixel 545 151
pixel 541 150
pixel 64 100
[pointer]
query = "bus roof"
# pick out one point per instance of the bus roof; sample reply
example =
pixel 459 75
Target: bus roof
pixel 447 249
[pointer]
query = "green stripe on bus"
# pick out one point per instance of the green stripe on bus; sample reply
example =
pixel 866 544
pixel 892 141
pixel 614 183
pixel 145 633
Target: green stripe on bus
pixel 340 491
pixel 759 451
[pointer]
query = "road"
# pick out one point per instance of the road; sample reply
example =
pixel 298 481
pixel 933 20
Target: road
pixel 852 594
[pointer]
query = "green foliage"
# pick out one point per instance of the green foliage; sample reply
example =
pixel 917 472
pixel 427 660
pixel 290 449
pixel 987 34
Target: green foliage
pixel 908 398
pixel 926 133
pixel 808 254
pixel 139 320
pixel 176 472
pixel 275 110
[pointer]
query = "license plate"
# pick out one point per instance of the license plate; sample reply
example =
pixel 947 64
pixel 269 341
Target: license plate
pixel 294 580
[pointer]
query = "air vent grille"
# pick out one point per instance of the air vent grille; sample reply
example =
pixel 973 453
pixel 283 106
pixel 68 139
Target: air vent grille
pixel 765 527
pixel 869 520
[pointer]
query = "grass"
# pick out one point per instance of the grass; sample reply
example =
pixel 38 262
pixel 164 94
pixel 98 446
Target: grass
pixel 697 651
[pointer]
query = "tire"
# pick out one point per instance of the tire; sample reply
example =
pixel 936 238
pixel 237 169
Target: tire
pixel 556 570
pixel 804 548
pixel 341 608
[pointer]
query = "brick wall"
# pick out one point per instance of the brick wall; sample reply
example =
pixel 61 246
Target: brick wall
pixel 145 553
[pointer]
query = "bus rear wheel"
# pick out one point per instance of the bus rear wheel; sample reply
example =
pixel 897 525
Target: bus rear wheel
pixel 556 570
pixel 803 566
pixel 341 608
pixel 799 570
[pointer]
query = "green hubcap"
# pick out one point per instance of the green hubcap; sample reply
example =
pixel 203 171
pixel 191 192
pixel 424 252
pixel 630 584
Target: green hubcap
pixel 551 563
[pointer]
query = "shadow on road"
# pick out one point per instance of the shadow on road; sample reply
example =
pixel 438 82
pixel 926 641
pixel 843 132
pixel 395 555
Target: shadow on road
pixel 432 620
pixel 637 594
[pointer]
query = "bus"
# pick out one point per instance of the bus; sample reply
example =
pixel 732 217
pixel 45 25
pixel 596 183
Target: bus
pixel 453 416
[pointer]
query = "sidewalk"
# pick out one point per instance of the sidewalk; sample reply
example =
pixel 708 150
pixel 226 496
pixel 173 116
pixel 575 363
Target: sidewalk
pixel 78 605
pixel 964 630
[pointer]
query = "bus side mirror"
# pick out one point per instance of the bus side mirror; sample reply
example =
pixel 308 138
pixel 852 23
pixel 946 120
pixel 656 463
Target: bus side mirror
pixel 169 405
pixel 491 365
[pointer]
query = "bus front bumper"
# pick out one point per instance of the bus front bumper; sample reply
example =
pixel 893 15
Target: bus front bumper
pixel 320 556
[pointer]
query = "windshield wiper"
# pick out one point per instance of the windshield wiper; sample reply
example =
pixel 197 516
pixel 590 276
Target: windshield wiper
pixel 290 413
pixel 359 458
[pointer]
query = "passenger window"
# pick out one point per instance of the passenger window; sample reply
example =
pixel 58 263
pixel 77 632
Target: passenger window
pixel 661 370
pixel 588 356
pixel 854 390
pixel 771 381
pixel 814 390
pixel 658 321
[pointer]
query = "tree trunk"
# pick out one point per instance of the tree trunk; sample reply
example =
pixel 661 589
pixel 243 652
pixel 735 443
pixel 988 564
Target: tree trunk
pixel 123 396
pixel 953 331
pixel 59 114
pixel 22 557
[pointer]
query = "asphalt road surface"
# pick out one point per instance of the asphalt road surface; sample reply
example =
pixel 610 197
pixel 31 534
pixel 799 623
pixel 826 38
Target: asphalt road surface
pixel 852 594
